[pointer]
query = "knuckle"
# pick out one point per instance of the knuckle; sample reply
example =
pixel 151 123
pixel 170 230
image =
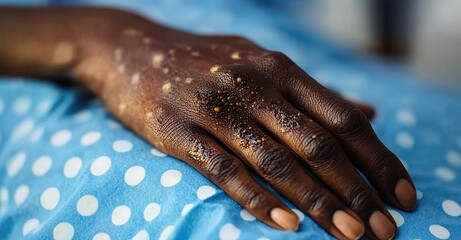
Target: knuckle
pixel 360 197
pixel 274 58
pixel 316 201
pixel 275 163
pixel 253 200
pixel 348 119
pixel 222 168
pixel 383 163
pixel 320 147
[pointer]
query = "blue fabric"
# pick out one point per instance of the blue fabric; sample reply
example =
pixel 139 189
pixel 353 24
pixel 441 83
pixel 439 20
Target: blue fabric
pixel 68 169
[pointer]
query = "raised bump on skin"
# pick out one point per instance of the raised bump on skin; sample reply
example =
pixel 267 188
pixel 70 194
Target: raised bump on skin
pixel 135 78
pixel 166 87
pixel 188 80
pixel 121 68
pixel 122 107
pixel 131 32
pixel 157 59
pixel 195 53
pixel 171 51
pixel 63 53
pixel 149 115
pixel 165 70
pixel 214 69
pixel 147 40
pixel 118 54
pixel 235 55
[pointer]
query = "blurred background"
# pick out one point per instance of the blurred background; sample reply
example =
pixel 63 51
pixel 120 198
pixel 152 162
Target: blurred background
pixel 425 35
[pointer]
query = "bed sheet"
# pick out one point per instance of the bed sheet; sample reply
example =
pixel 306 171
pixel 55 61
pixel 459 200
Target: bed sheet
pixel 68 169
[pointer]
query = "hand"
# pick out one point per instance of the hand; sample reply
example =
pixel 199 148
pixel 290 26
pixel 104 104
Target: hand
pixel 227 107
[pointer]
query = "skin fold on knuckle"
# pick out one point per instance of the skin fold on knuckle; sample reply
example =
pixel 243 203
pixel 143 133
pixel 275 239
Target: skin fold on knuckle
pixel 318 147
pixel 385 168
pixel 316 202
pixel 362 199
pixel 346 119
pixel 222 168
pixel 274 163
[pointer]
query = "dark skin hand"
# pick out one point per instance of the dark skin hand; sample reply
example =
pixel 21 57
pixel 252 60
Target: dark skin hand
pixel 225 106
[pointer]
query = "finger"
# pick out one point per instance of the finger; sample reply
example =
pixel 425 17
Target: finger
pixel 323 155
pixel 276 165
pixel 367 109
pixel 350 126
pixel 230 174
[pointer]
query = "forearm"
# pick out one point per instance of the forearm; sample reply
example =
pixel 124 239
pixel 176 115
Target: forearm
pixel 55 40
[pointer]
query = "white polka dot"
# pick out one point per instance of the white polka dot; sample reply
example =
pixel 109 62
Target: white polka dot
pixel 205 192
pixel 21 194
pixel 114 125
pixel 101 236
pixel 445 174
pixel 15 164
pixel 439 231
pixel 21 106
pixel 229 232
pixel 90 138
pixel 100 165
pixel 44 106
pixel 170 178
pixel 157 152
pixel 454 158
pixel 3 200
pixel 451 208
pixel 72 167
pixel 60 138
pixel 134 175
pixel 37 134
pixel 87 205
pixel 30 226
pixel 419 194
pixel 398 218
pixel 50 198
pixel 299 214
pixel 141 235
pixel 41 166
pixel 82 116
pixel 121 215
pixel 186 209
pixel 122 146
pixel 263 238
pixel 63 231
pixel 166 233
pixel 245 215
pixel 406 117
pixel 4 195
pixel 151 211
pixel 405 140
pixel 22 129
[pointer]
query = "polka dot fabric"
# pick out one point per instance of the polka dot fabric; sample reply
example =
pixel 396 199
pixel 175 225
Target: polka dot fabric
pixel 69 170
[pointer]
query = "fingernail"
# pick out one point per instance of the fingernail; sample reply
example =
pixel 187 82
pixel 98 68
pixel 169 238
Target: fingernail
pixel 381 226
pixel 348 225
pixel 285 219
pixel 406 194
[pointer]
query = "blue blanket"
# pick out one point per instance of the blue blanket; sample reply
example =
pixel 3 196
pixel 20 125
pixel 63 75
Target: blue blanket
pixel 68 169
